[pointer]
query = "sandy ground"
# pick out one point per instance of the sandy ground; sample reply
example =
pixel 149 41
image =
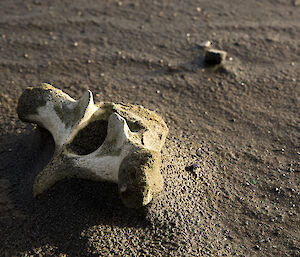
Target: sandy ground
pixel 231 160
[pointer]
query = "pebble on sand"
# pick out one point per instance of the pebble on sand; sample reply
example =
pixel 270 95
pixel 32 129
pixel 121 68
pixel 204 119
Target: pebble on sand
pixel 214 56
pixel 205 44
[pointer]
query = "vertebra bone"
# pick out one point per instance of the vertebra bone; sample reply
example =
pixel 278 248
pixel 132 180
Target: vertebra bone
pixel 128 156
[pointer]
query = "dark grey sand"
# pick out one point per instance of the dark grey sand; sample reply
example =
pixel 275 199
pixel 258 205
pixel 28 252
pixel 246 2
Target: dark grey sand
pixel 231 160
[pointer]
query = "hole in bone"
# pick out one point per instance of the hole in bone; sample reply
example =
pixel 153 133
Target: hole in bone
pixel 90 138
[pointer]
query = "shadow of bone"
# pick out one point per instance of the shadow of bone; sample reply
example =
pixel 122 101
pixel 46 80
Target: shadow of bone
pixel 23 156
pixel 72 206
pixel 59 215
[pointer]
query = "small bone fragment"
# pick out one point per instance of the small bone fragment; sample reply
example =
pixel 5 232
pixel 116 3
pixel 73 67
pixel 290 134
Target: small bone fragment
pixel 129 156
pixel 214 57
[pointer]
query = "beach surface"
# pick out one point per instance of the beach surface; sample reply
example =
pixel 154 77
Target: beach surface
pixel 231 161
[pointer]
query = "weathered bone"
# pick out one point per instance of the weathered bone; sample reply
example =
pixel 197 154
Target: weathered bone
pixel 129 156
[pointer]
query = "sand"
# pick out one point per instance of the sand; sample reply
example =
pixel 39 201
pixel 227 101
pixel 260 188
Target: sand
pixel 231 160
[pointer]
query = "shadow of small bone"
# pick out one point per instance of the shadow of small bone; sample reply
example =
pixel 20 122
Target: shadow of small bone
pixel 58 216
pixel 195 65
